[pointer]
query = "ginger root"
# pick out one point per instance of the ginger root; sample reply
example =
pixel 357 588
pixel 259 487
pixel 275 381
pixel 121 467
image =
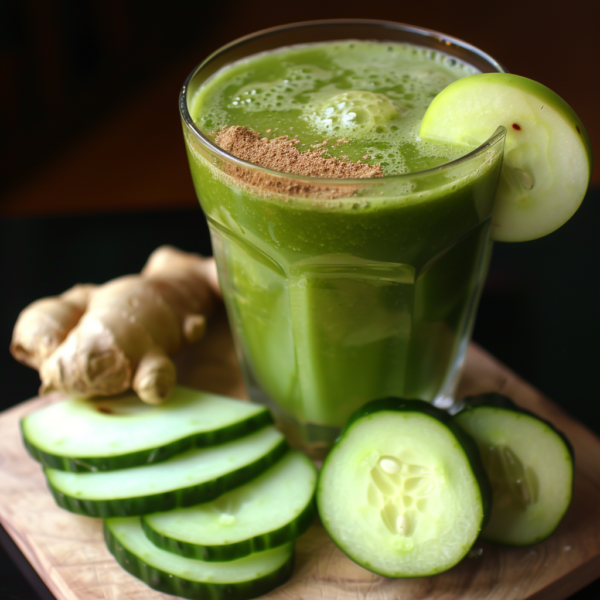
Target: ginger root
pixel 107 339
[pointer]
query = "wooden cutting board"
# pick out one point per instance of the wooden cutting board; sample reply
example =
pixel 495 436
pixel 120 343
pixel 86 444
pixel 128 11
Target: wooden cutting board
pixel 68 551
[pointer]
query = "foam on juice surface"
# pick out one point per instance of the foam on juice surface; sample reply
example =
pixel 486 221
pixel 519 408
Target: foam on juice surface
pixel 358 100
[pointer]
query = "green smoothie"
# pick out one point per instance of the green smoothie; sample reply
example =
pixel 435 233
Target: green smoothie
pixel 368 291
pixel 369 94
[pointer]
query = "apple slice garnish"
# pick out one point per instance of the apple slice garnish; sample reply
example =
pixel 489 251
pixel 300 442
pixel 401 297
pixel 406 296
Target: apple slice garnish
pixel 547 154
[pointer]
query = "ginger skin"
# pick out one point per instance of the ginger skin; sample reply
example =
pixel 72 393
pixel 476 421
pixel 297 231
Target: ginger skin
pixel 104 340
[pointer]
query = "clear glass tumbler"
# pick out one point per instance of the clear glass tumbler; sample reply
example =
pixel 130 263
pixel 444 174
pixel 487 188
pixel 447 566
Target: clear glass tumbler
pixel 343 291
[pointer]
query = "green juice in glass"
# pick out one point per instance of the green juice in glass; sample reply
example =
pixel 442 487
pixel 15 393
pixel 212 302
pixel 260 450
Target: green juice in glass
pixel 339 297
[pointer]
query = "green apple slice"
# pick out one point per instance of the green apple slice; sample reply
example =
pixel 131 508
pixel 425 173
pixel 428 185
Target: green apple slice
pixel 547 155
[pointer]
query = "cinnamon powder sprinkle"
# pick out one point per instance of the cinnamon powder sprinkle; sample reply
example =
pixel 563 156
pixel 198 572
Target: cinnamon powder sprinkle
pixel 281 154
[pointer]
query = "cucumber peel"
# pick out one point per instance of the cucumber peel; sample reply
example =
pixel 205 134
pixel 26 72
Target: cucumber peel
pixel 85 434
pixel 547 155
pixel 241 579
pixel 403 492
pixel 249 495
pixel 198 475
pixel 530 466
pixel 273 509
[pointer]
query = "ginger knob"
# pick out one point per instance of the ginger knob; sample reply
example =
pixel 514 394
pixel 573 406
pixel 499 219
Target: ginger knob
pixel 107 339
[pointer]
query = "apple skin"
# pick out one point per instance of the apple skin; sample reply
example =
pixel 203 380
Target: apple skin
pixel 548 155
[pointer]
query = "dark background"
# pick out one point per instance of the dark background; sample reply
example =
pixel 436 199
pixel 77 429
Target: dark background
pixel 88 109
pixel 93 174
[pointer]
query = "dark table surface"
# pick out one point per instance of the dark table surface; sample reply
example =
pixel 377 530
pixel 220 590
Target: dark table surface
pixel 539 311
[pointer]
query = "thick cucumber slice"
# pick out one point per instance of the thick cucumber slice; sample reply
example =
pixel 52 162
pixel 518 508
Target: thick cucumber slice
pixel 403 492
pixel 195 476
pixel 241 579
pixel 530 467
pixel 547 156
pixel 275 508
pixel 83 434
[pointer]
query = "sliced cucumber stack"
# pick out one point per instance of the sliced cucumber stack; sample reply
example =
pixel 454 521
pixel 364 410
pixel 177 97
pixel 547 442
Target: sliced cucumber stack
pixel 233 497
pixel 273 509
pixel 84 434
pixel 240 579
pixel 403 492
pixel 195 476
pixel 530 467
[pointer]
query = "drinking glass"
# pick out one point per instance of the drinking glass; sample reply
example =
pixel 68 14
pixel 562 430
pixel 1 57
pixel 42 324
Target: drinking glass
pixel 342 291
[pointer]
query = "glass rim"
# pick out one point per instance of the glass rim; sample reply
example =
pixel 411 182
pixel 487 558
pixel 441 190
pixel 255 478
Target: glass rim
pixel 442 38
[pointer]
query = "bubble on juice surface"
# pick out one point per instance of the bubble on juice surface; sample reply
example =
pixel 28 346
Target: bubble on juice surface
pixel 371 94
pixel 279 94
pixel 354 113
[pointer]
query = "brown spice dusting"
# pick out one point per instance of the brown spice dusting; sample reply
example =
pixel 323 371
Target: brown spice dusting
pixel 281 154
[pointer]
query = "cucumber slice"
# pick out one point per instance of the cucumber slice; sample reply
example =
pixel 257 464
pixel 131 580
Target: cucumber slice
pixel 403 491
pixel 354 113
pixel 83 434
pixel 529 464
pixel 240 579
pixel 275 508
pixel 195 476
pixel 547 154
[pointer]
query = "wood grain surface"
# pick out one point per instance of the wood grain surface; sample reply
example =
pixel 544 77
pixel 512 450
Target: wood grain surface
pixel 68 551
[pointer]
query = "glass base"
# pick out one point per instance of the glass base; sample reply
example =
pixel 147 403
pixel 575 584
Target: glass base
pixel 316 440
pixel 310 438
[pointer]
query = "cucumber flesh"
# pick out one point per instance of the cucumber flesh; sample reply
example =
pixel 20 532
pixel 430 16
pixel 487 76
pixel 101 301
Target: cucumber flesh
pixel 84 434
pixel 275 508
pixel 530 467
pixel 198 475
pixel 402 493
pixel 241 579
